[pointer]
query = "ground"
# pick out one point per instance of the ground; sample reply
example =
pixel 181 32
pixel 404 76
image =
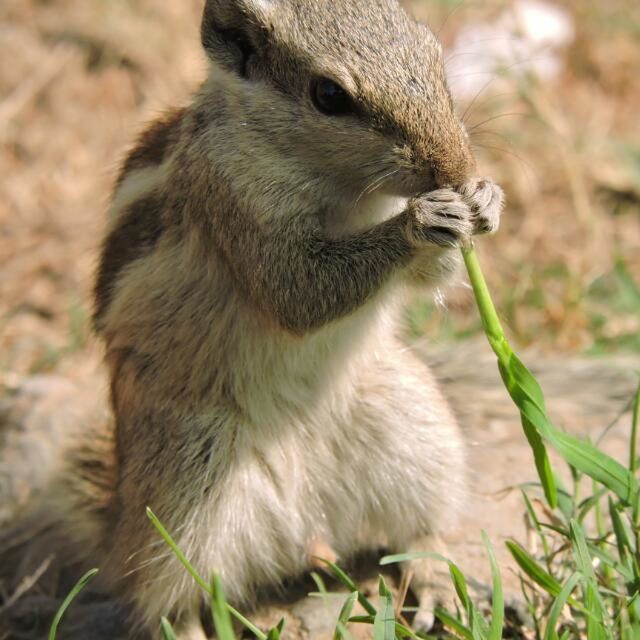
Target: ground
pixel 80 77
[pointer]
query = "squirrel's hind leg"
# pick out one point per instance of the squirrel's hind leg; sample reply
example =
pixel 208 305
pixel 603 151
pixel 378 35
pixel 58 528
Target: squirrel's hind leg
pixel 429 580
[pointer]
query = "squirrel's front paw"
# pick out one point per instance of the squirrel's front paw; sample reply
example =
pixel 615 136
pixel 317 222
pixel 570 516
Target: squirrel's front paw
pixel 486 200
pixel 443 217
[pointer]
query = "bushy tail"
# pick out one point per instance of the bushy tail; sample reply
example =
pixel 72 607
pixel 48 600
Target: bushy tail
pixel 49 424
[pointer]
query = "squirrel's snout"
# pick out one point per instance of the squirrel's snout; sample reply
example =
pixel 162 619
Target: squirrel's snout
pixel 444 162
pixel 453 166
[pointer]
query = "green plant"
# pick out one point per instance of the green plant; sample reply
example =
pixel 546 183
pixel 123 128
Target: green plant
pixel 80 585
pixel 605 564
pixel 470 624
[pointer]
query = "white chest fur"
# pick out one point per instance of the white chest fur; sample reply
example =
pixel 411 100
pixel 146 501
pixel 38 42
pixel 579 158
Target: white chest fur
pixel 369 211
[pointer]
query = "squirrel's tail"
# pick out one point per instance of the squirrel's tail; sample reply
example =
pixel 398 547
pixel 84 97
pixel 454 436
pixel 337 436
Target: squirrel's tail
pixel 49 424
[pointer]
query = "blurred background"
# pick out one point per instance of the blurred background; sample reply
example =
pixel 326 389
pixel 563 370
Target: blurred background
pixel 550 92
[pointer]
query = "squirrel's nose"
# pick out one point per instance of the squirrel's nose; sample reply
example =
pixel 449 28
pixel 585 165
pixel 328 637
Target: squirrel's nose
pixel 452 167
pixel 445 155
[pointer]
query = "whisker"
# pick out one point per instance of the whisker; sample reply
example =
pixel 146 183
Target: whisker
pixel 155 543
pixel 497 74
pixel 380 181
pixel 448 16
pixel 147 563
pixel 501 95
pixel 502 137
pixel 475 98
pixel 497 117
pixel 526 163
pixel 372 185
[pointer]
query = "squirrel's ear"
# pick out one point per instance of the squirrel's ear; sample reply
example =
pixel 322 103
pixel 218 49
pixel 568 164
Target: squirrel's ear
pixel 231 29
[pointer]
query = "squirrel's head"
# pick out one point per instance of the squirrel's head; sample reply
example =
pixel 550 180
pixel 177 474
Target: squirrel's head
pixel 349 93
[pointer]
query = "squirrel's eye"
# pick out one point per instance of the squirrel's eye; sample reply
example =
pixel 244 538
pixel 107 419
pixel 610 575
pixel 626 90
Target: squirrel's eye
pixel 330 98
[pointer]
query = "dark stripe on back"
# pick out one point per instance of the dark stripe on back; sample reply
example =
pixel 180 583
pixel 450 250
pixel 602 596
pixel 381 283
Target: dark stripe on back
pixel 153 144
pixel 135 237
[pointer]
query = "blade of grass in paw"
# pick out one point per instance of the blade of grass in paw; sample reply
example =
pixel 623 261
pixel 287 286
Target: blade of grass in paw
pixel 495 334
pixel 527 395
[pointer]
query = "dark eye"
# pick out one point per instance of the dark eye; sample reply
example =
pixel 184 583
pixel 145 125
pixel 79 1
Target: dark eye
pixel 330 98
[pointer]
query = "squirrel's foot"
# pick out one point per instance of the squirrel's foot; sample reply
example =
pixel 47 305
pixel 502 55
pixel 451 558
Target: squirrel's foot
pixel 442 217
pixel 486 200
pixel 319 550
pixel 429 581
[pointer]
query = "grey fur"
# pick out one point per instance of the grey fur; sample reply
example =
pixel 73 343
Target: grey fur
pixel 262 400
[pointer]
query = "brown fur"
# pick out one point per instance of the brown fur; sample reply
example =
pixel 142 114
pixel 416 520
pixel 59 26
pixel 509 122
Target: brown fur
pixel 248 297
pixel 152 145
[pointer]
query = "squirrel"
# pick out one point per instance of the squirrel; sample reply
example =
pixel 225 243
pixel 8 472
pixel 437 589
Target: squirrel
pixel 260 244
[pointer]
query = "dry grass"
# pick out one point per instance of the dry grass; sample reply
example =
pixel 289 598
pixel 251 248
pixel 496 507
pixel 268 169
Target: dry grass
pixel 79 77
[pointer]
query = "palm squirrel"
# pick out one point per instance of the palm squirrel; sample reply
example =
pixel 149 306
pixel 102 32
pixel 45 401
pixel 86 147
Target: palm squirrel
pixel 260 244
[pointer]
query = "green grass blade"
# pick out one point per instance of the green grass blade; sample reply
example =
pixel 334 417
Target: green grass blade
pixel 73 594
pixel 591 461
pixel 559 604
pixel 460 584
pixel 220 611
pixel 247 624
pixel 351 585
pixel 622 568
pixel 196 576
pixel 515 378
pixel 566 503
pixel 167 630
pixel 595 623
pixel 623 542
pixel 177 551
pixel 581 455
pixel 535 521
pixel 635 421
pixel 405 632
pixel 497 607
pixel 527 394
pixel 384 624
pixel 320 585
pixel 591 504
pixel 345 614
pixel 454 624
pixel 593 602
pixel 414 555
pixel 532 569
pixel 275 633
pixel 361 619
pixel 581 552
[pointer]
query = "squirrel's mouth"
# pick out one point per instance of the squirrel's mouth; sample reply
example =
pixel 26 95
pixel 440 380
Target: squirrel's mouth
pixel 409 183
